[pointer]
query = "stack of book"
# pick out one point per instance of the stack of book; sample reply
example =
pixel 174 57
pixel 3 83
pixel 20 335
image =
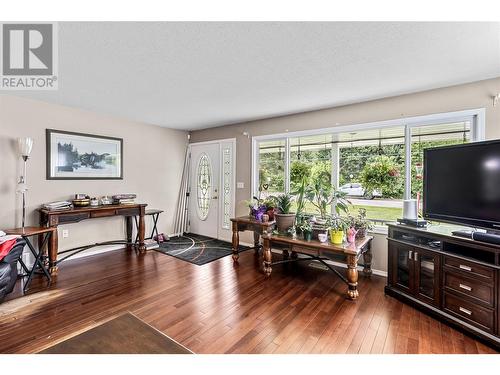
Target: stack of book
pixel 124 198
pixel 57 206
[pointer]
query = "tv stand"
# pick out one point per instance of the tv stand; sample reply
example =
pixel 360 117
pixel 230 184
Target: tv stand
pixel 454 279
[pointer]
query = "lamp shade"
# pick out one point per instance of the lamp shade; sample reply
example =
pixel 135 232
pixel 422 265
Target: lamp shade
pixel 25 145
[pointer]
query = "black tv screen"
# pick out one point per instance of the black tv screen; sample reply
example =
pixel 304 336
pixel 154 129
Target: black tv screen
pixel 462 184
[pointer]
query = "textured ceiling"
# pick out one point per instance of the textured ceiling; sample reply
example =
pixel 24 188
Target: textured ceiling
pixel 198 75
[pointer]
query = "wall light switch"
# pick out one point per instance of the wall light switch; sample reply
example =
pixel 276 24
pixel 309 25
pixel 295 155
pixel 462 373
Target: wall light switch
pixel 65 233
pixel 240 185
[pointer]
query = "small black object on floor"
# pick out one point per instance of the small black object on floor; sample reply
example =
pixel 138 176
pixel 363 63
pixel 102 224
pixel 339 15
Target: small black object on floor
pixel 197 249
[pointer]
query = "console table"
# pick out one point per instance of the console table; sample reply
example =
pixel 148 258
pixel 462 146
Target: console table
pixel 318 251
pixel 452 278
pixel 244 223
pixel 55 218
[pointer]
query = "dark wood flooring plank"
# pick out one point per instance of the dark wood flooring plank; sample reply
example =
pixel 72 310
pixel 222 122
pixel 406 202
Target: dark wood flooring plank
pixel 223 308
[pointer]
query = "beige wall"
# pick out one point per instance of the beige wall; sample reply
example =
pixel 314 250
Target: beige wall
pixel 153 159
pixel 469 96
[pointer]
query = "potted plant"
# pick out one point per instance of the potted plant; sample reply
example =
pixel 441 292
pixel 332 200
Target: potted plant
pixel 322 196
pixel 381 173
pixel 337 228
pixel 361 223
pixel 300 195
pixel 319 194
pixel 340 202
pixel 269 202
pixel 306 229
pixel 284 217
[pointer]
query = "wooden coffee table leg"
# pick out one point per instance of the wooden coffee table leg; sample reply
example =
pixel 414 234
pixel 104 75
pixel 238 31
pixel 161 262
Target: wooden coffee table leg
pixel 236 242
pixel 256 241
pixel 352 277
pixel 268 258
pixel 286 254
pixel 367 260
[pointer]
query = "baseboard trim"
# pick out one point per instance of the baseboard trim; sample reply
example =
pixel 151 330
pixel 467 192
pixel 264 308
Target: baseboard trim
pixel 103 249
pixel 330 262
pixel 97 250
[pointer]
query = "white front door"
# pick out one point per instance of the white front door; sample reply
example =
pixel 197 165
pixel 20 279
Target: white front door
pixel 211 194
pixel 204 192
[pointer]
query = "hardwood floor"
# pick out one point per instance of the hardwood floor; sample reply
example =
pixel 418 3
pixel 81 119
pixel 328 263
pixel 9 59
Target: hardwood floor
pixel 221 308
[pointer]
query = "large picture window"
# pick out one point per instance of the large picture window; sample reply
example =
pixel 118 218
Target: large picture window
pixel 271 167
pixel 377 165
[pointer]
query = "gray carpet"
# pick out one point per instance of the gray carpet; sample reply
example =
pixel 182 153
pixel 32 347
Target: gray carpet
pixel 197 249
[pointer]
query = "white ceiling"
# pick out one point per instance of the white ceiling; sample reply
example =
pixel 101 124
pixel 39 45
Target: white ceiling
pixel 199 75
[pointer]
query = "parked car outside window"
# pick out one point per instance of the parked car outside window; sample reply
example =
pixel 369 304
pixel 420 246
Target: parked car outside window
pixel 357 190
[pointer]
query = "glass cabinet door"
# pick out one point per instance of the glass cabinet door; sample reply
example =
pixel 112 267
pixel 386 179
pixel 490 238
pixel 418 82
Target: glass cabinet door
pixel 427 275
pixel 402 266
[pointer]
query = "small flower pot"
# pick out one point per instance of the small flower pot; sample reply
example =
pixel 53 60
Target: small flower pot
pixel 284 221
pixel 336 236
pixel 323 237
pixel 361 233
pixel 308 235
pixel 317 229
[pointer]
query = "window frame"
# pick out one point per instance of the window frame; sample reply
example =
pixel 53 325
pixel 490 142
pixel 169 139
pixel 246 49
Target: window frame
pixel 477 118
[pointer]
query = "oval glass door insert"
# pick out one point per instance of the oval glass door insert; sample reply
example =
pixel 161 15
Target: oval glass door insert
pixel 204 186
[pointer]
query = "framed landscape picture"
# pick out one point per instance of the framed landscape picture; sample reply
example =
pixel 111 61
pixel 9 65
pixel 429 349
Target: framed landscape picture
pixel 78 156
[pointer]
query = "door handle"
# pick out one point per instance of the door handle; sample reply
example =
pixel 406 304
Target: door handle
pixel 410 255
pixel 416 257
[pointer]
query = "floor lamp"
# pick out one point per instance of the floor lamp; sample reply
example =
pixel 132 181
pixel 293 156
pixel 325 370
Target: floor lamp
pixel 25 146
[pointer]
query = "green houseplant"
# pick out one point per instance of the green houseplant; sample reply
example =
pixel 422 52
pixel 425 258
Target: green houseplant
pixel 322 196
pixel 361 223
pixel 338 226
pixel 319 194
pixel 306 229
pixel 300 200
pixel 284 217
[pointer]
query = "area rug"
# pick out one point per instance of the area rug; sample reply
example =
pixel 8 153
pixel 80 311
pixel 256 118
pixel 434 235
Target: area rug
pixel 197 249
pixel 125 334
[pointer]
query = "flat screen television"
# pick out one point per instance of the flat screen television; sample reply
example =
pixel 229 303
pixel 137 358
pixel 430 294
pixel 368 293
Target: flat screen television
pixel 462 184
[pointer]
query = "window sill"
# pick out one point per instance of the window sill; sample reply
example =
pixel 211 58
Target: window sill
pixel 379 229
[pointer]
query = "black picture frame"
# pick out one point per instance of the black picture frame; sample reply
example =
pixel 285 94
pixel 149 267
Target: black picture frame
pixel 51 173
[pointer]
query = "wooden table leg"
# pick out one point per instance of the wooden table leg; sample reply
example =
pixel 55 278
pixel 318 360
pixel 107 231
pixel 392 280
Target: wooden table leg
pixel 43 223
pixel 256 241
pixel 53 249
pixel 236 241
pixel 129 226
pixel 268 257
pixel 286 254
pixel 367 260
pixel 352 276
pixel 142 230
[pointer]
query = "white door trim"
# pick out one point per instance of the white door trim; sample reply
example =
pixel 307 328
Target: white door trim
pixel 213 141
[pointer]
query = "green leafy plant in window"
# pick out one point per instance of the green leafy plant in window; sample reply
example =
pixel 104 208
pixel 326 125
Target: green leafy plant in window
pixel 381 173
pixel 322 196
